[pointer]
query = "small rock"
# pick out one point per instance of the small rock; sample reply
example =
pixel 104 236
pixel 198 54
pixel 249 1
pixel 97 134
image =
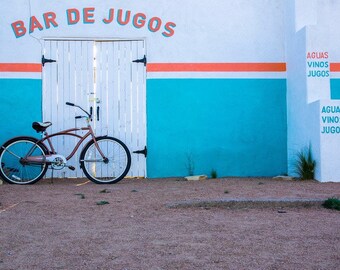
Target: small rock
pixel 283 177
pixel 104 191
pixel 81 195
pixel 196 177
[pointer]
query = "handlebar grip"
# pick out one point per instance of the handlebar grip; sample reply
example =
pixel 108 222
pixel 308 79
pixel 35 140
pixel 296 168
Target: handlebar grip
pixel 69 103
pixel 78 117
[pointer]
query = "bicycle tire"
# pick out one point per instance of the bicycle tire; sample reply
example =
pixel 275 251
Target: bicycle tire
pixel 15 172
pixel 109 171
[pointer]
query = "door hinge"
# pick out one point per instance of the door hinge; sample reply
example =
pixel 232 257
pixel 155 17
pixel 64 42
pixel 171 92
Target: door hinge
pixel 44 60
pixel 142 60
pixel 144 151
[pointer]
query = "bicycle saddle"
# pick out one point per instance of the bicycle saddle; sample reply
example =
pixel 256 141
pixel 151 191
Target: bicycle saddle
pixel 40 127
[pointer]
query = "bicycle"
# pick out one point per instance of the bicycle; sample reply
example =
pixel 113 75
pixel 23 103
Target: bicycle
pixel 25 159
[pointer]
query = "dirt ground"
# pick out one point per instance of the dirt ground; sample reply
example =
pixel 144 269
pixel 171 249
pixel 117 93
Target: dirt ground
pixel 75 224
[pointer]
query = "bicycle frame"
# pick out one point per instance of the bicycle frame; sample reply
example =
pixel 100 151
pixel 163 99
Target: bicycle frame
pixel 49 145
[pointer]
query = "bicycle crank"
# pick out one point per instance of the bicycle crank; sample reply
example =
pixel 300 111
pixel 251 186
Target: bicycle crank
pixel 58 162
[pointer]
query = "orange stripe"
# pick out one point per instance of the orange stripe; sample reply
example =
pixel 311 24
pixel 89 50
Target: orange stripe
pixel 216 67
pixel 20 67
pixel 180 67
pixel 334 67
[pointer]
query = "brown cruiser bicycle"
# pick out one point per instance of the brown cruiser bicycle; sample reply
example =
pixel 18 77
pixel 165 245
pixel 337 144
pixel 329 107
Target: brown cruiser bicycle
pixel 25 160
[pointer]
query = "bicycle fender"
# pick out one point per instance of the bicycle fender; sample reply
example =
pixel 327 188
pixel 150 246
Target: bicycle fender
pixel 22 137
pixel 91 141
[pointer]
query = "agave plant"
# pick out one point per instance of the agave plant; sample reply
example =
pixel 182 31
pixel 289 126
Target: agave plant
pixel 332 203
pixel 305 164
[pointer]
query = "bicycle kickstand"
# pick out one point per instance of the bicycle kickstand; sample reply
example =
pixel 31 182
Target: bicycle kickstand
pixel 52 176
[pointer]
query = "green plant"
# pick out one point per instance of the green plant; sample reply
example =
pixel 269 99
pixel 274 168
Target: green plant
pixel 190 165
pixel 332 203
pixel 305 164
pixel 102 203
pixel 213 173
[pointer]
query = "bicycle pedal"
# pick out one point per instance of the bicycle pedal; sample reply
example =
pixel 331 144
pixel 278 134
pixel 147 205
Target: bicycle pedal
pixel 71 168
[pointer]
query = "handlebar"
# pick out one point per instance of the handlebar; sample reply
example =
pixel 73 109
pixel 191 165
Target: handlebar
pixel 74 105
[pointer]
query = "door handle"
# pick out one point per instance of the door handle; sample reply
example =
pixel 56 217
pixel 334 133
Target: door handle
pixel 97 113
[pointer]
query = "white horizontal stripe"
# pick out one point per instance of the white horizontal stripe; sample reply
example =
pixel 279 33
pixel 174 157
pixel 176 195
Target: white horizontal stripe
pixel 217 75
pixel 20 75
pixel 335 75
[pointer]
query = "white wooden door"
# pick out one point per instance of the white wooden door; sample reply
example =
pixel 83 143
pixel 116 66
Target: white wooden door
pixel 101 77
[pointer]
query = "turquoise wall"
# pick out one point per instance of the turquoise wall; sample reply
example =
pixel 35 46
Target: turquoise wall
pixel 335 88
pixel 236 126
pixel 20 106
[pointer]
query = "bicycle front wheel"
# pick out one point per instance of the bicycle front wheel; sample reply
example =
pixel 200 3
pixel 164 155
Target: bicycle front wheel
pixel 110 169
pixel 13 169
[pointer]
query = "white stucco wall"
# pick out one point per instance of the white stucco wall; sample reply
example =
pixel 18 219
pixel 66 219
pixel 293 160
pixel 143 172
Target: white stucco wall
pixel 310 29
pixel 213 31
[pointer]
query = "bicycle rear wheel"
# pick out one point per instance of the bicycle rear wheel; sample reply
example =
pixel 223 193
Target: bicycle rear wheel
pixel 13 170
pixel 105 171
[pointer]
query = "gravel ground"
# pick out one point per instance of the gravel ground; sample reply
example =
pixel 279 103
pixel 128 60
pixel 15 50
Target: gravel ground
pixel 75 224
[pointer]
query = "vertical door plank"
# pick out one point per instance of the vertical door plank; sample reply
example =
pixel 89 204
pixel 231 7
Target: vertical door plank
pixel 111 89
pixel 134 109
pixel 116 92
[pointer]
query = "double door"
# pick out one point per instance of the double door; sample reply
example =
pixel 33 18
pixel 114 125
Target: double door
pixel 101 77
